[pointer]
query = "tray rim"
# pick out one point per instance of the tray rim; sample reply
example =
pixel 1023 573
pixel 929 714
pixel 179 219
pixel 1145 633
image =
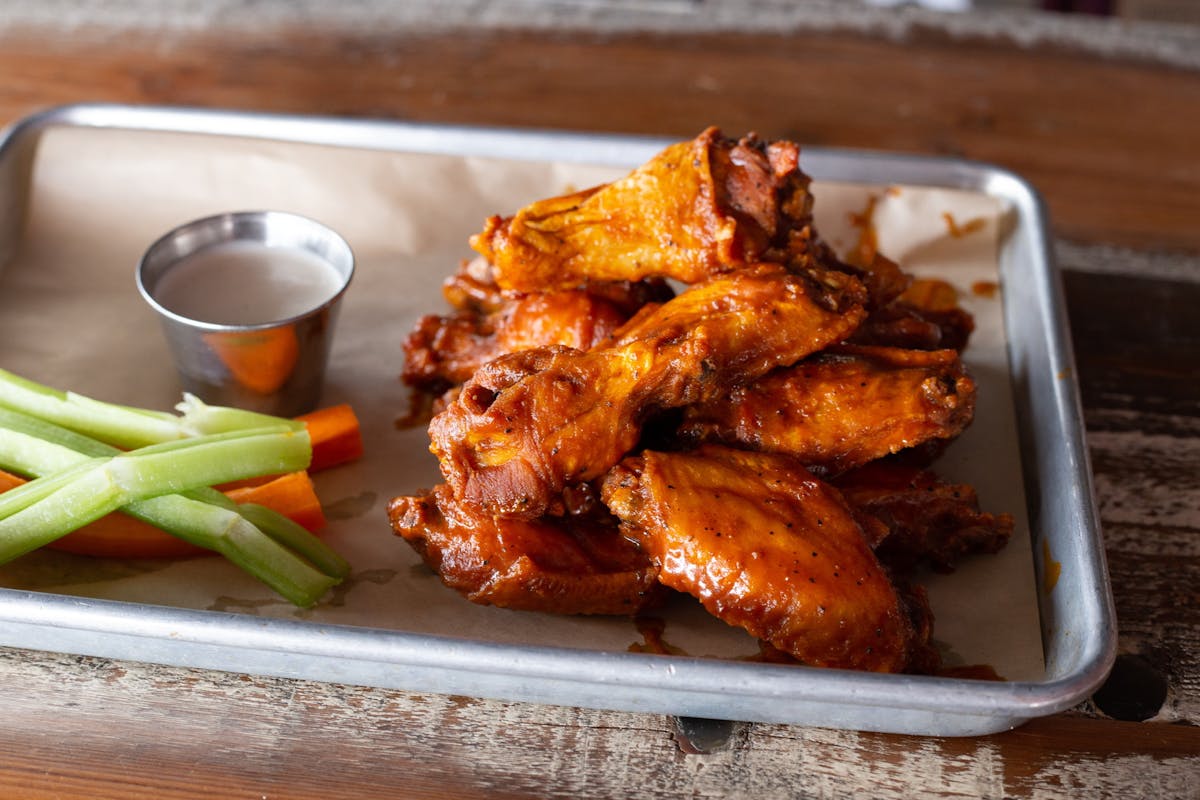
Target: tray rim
pixel 386 658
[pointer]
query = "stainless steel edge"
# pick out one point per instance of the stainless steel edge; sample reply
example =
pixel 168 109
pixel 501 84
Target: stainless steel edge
pixel 375 134
pixel 1077 617
pixel 17 142
pixel 1077 610
pixel 389 659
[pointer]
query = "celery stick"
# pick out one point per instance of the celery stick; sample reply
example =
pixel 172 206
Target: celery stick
pixel 49 432
pixel 220 458
pixel 264 558
pixel 176 491
pixel 141 474
pixel 50 447
pixel 31 447
pixel 118 425
pixel 295 537
pixel 238 539
pixel 199 418
pixel 215 524
pixel 81 498
pixel 126 426
pixel 91 492
pixel 26 454
pixel 25 495
pixel 41 460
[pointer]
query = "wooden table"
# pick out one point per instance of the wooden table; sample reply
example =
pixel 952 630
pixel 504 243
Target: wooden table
pixel 1110 135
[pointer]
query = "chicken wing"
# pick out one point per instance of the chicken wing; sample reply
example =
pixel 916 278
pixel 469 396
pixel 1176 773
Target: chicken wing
pixel 765 546
pixel 444 350
pixel 928 520
pixel 531 423
pixel 607 442
pixel 696 209
pixel 845 406
pixel 564 565
pixel 473 288
pixel 925 316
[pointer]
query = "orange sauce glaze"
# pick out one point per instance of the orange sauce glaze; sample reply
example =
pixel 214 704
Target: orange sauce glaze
pixel 868 240
pixel 1051 569
pixel 986 289
pixel 958 231
pixel 651 629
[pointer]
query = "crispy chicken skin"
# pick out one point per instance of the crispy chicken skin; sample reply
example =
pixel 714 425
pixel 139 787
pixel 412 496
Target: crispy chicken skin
pixel 443 351
pixel 473 288
pixel 925 316
pixel 900 324
pixel 843 407
pixel 750 441
pixel 563 565
pixel 766 546
pixel 884 279
pixel 529 424
pixel 696 209
pixel 929 521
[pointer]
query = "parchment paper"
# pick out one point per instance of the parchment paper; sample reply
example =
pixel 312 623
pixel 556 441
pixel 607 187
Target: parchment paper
pixel 70 316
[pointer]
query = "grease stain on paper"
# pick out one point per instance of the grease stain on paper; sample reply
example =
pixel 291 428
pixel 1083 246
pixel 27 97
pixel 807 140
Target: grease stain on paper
pixel 241 605
pixel 352 506
pixel 958 230
pixel 45 569
pixel 337 595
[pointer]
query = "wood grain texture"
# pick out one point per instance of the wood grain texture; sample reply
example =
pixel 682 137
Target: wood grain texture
pixel 1138 364
pixel 243 737
pixel 1110 143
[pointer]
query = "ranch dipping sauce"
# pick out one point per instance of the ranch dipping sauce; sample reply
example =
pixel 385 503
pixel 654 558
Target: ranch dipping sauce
pixel 247 283
pixel 247 302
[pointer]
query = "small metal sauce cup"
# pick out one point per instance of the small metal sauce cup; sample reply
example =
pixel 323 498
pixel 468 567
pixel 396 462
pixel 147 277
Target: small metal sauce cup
pixel 275 366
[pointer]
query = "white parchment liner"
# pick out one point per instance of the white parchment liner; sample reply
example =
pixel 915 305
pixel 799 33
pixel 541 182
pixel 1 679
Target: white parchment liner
pixel 70 316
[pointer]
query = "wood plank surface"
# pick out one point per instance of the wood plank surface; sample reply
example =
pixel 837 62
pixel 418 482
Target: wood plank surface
pixel 1111 143
pixel 163 733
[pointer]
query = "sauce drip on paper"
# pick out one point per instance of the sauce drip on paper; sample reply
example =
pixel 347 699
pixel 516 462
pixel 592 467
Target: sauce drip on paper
pixel 987 289
pixel 868 239
pixel 957 230
pixel 651 630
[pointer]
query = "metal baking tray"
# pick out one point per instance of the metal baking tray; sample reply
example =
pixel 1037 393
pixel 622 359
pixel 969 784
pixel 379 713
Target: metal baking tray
pixel 1077 619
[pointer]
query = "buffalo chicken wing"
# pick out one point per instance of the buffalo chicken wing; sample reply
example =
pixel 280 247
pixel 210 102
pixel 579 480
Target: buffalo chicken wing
pixel 444 351
pixel 566 565
pixel 696 209
pixel 609 441
pixel 765 546
pixel 529 424
pixel 843 407
pixel 929 521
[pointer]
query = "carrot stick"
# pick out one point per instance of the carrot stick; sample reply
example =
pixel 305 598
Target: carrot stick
pixel 291 494
pixel 9 481
pixel 120 536
pixel 336 439
pixel 262 361
pixel 336 436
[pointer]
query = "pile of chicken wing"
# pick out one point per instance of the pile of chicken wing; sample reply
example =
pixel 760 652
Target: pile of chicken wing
pixel 671 383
